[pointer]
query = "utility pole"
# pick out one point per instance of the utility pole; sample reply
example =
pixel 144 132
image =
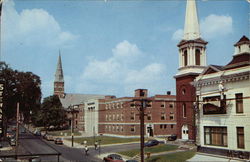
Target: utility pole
pixel 142 107
pixel 72 127
pixel 17 128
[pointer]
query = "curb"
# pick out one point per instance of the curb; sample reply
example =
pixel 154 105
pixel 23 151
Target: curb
pixel 77 145
pixel 220 156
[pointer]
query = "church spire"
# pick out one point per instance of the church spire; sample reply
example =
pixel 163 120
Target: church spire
pixel 191 28
pixel 59 81
pixel 59 70
pixel 192 48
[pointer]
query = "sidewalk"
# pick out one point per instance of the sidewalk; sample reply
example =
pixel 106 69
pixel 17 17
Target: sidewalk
pixel 210 157
pixel 77 145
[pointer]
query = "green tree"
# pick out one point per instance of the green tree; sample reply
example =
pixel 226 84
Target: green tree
pixel 51 113
pixel 22 87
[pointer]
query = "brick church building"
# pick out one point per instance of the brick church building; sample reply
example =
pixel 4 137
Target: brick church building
pixel 192 61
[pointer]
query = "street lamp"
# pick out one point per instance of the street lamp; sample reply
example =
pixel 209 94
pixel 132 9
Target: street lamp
pixel 30 121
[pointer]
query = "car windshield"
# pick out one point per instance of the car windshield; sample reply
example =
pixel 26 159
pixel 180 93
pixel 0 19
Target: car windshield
pixel 117 157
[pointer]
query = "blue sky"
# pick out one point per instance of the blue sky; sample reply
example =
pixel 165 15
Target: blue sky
pixel 114 47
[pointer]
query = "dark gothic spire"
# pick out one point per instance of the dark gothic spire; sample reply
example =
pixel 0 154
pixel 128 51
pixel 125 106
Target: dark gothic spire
pixel 59 70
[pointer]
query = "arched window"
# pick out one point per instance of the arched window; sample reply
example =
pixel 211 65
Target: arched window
pixel 197 57
pixel 185 58
pixel 184 110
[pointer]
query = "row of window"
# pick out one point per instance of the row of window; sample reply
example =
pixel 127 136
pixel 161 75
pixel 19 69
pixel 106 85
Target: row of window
pixel 113 128
pixel 217 136
pixel 119 128
pixel 114 105
pixel 132 105
pixel 120 117
pixel 114 117
pixel 165 126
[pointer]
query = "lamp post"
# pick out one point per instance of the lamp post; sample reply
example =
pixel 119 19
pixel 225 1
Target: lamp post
pixel 30 121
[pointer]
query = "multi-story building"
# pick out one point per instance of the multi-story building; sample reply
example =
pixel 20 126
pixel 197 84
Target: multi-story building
pixel 74 104
pixel 223 94
pixel 120 116
pixel 91 116
pixel 192 61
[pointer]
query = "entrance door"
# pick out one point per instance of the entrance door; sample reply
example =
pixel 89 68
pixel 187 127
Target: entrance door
pixel 150 131
pixel 184 130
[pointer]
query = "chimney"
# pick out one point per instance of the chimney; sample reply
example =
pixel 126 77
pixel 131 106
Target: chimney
pixel 110 97
pixel 168 92
pixel 141 93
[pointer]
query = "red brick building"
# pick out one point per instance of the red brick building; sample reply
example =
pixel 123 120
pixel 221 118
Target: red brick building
pixel 120 116
pixel 192 61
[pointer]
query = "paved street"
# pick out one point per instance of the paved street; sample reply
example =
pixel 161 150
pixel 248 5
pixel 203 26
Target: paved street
pixel 35 145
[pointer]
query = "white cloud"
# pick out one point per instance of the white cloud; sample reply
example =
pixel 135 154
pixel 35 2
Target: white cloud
pixel 211 26
pixel 125 49
pixel 178 34
pixel 152 77
pixel 103 71
pixel 216 25
pixel 33 26
pixel 146 75
pixel 117 72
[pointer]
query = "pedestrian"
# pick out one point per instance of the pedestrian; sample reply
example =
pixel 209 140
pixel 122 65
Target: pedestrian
pixel 96 144
pixel 86 150
pixel 85 142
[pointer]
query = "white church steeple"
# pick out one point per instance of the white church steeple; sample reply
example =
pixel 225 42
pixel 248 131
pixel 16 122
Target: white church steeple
pixel 191 28
pixel 192 48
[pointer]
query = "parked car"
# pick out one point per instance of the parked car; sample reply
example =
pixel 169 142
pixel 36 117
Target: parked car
pixel 172 137
pixel 49 138
pixel 10 134
pixel 151 143
pixel 59 141
pixel 35 159
pixel 113 158
pixel 131 161
pixel 37 133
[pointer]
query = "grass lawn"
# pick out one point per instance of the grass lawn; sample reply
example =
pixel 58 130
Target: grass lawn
pixel 175 157
pixel 154 149
pixel 58 133
pixel 105 140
